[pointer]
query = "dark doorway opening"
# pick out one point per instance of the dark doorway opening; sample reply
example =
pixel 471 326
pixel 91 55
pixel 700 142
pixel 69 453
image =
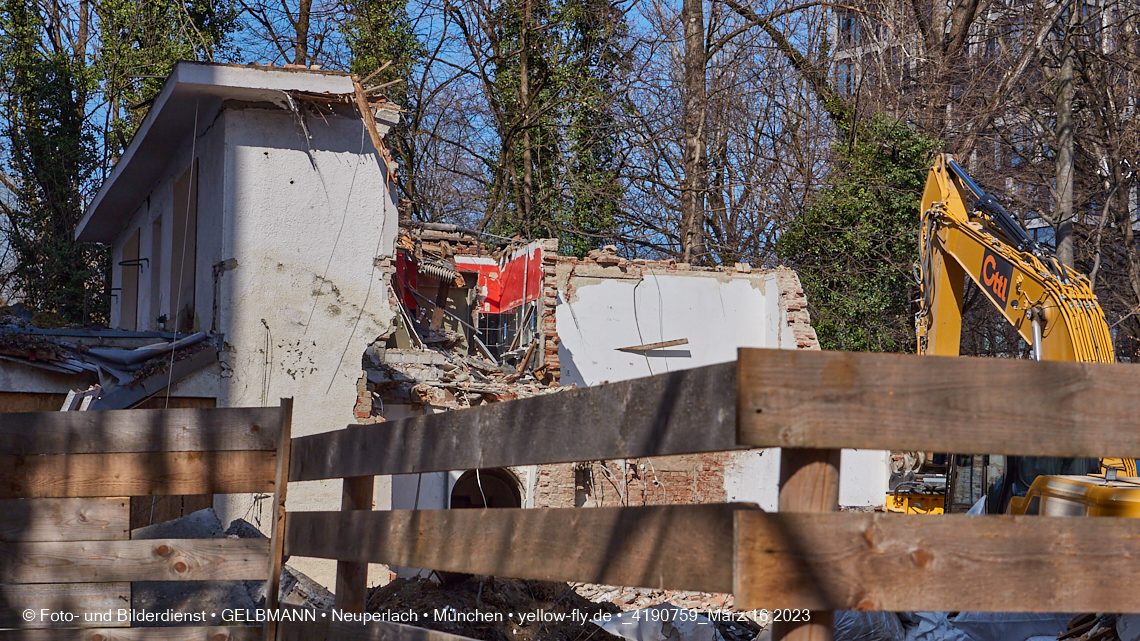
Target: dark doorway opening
pixel 492 487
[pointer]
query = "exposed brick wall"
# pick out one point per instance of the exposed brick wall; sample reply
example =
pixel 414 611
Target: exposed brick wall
pixel 550 340
pixel 793 303
pixel 667 480
pixel 554 486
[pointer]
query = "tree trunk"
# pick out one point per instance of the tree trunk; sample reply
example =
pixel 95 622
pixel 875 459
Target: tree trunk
pixel 301 52
pixel 693 124
pixel 524 102
pixel 1064 168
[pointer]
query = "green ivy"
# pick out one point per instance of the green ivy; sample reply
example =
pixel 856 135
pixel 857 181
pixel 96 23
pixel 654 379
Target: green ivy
pixel 855 246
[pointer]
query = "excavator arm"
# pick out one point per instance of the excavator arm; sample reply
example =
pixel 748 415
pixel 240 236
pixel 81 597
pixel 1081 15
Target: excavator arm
pixel 966 232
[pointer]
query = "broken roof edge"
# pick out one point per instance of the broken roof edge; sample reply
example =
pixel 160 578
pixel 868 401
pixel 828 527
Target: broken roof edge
pixel 198 79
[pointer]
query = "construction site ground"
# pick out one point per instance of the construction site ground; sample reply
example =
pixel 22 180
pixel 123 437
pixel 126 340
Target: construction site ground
pixel 512 597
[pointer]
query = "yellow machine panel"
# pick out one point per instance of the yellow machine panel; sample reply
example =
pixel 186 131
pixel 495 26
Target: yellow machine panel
pixel 916 503
pixel 1080 496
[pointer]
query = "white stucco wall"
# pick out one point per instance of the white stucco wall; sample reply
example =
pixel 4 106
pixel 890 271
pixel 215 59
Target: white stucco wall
pixel 305 240
pixel 718 313
pixel 305 296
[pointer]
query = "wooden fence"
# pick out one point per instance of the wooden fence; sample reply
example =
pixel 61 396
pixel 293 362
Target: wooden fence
pixel 66 479
pixel 804 557
pixel 812 404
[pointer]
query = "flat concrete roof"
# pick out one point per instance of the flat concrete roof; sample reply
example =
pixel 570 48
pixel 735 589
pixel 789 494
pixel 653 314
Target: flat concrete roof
pixel 192 88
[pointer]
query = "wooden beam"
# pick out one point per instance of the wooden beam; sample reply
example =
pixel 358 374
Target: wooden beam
pixel 139 474
pixel 685 547
pixel 235 633
pixel 277 536
pixel 74 598
pixel 145 560
pixel 174 430
pixel 648 347
pixel 390 165
pixel 352 577
pixel 831 400
pixel 676 413
pixel 373 631
pixel 65 519
pixel 809 482
pixel 955 562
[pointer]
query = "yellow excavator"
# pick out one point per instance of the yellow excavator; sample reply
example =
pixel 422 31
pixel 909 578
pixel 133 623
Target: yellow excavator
pixel 966 232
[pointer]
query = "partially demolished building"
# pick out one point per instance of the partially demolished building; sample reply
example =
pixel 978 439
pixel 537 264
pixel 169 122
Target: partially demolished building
pixel 258 254
pixel 481 322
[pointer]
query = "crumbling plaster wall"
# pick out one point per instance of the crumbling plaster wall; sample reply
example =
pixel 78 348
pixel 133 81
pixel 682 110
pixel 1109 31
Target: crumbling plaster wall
pixel 305 297
pixel 606 302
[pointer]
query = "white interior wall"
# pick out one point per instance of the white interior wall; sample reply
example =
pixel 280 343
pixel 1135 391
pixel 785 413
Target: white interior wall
pixel 718 313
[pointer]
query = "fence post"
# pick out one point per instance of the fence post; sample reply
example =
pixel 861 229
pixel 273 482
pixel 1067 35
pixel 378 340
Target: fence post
pixel 277 537
pixel 809 482
pixel 352 578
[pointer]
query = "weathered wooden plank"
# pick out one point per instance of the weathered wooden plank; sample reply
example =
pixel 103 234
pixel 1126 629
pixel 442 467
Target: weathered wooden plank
pixel 173 430
pixel 830 400
pixel 277 535
pixel 352 578
pixel 77 599
pixel 146 560
pixel 349 631
pixel 845 561
pixel 234 633
pixel 809 482
pixel 91 519
pixel 136 474
pixel 677 413
pixel 686 547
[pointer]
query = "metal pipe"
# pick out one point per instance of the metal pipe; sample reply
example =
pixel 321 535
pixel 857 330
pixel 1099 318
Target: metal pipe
pixel 1036 338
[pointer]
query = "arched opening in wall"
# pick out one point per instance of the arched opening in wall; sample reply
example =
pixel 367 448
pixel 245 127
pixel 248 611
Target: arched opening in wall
pixel 492 487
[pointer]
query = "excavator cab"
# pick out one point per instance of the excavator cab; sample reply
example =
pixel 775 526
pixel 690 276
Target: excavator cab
pixel 1021 472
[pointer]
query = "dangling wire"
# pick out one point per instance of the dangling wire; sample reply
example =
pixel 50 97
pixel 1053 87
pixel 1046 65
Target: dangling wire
pixel 182 267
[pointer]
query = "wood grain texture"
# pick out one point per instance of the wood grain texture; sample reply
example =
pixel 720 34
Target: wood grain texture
pixel 235 633
pixel 277 534
pixel 346 631
pixel 681 412
pixel 809 482
pixel 685 547
pixel 136 474
pixel 146 560
pixel 110 431
pixel 91 519
pixel 351 577
pixel 75 598
pixel 848 561
pixel 832 400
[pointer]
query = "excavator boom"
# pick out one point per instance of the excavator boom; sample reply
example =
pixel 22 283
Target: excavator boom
pixel 966 232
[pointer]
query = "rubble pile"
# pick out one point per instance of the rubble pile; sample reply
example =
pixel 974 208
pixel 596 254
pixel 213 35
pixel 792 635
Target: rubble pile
pixel 639 598
pixel 490 596
pixel 441 378
pixel 1091 627
pixel 742 627
pixel 552 600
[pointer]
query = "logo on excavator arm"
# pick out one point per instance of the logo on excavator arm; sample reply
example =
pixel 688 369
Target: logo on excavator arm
pixel 997 273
